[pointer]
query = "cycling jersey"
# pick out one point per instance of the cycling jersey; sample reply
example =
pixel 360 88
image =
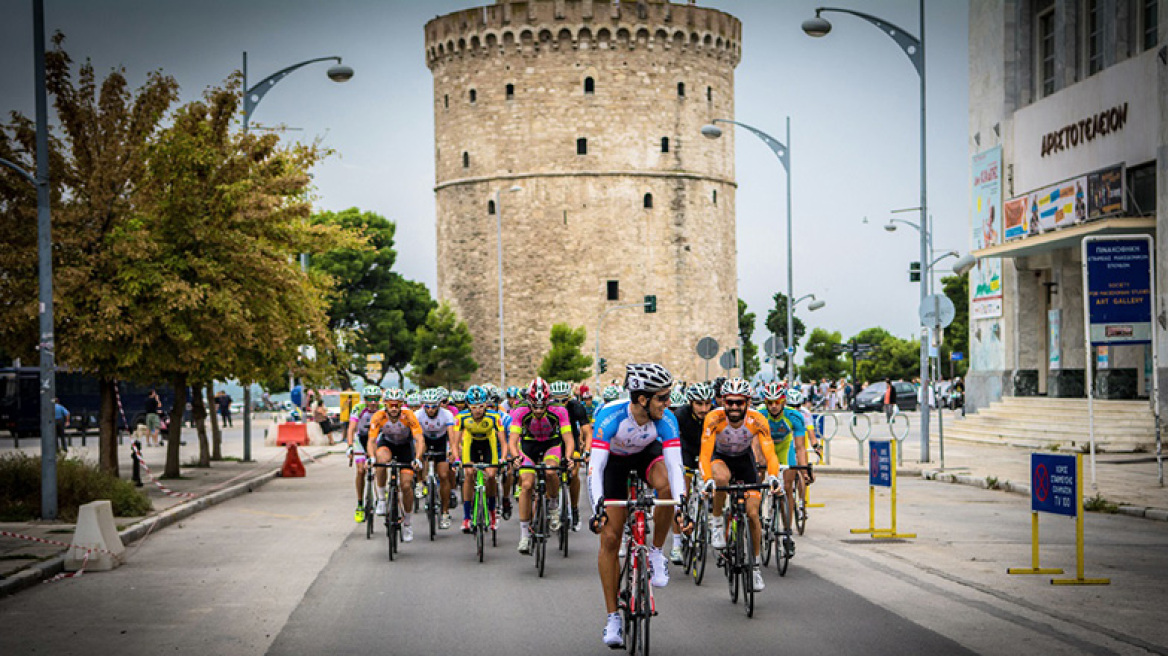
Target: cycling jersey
pixel 578 418
pixel 618 438
pixel 783 429
pixel 397 432
pixel 719 438
pixel 480 437
pixel 690 428
pixel 361 416
pixel 553 425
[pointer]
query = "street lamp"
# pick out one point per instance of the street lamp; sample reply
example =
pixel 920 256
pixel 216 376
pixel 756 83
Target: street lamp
pixel 499 242
pixel 783 152
pixel 914 48
pixel 252 97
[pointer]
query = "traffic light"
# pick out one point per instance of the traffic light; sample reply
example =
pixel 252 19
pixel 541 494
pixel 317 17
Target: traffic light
pixel 650 304
pixel 603 364
pixel 914 271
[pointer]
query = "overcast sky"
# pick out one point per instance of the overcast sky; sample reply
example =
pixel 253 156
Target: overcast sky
pixel 852 97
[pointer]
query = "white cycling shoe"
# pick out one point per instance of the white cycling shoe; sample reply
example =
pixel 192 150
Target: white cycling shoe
pixel 525 545
pixel 381 506
pixel 614 635
pixel 659 567
pixel 717 533
pixel 759 584
pixel 554 521
pixel 407 534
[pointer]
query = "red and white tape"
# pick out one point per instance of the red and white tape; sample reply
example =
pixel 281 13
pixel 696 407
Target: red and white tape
pixel 62 575
pixel 168 492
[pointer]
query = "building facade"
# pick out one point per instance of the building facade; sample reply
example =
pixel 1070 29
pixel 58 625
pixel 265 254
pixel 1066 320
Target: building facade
pixel 576 126
pixel 1068 140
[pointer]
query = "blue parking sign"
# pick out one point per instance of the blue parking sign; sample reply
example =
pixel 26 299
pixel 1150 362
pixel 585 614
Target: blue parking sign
pixel 880 463
pixel 1052 484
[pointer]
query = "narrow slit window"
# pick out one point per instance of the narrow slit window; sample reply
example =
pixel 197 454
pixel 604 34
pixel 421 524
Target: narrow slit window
pixel 491 207
pixel 510 92
pixel 589 86
pixel 613 290
pixel 648 201
pixel 710 94
pixel 581 146
pixel 446 100
pixel 715 196
pixel 681 89
pixel 664 144
pixel 474 96
pixel 465 160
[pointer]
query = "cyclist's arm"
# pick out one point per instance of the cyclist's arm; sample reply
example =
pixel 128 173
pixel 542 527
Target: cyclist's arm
pixel 671 449
pixel 513 439
pixel 375 424
pixel 800 437
pixel 566 434
pixel 586 434
pixel 764 442
pixel 598 460
pixel 493 440
pixel 705 457
pixel 416 429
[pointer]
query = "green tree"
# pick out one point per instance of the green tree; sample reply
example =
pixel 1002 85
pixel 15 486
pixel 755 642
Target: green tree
pixel 375 305
pixel 893 357
pixel 776 323
pixel 442 353
pixel 957 334
pixel 749 348
pixel 822 359
pixel 97 166
pixel 565 360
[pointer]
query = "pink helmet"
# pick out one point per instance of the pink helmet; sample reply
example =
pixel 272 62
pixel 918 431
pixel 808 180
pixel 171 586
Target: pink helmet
pixel 538 392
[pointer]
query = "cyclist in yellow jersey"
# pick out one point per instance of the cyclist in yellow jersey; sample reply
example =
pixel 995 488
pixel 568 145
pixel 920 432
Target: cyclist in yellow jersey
pixel 481 436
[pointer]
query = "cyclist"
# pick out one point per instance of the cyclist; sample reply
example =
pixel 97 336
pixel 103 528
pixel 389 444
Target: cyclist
pixel 689 424
pixel 676 400
pixel 458 402
pixel 788 431
pixel 480 436
pixel 611 393
pixel 728 438
pixel 581 423
pixel 584 395
pixel 357 435
pixel 638 434
pixel 394 434
pixel 540 432
pixel 514 399
pixel 796 401
pixel 414 402
pixel 494 398
pixel 438 431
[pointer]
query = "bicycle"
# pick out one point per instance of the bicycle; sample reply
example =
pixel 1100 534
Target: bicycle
pixel 368 499
pixel 430 491
pixel 393 506
pixel 635 599
pixel 539 515
pixel 480 520
pixel 737 559
pixel 694 544
pixel 566 520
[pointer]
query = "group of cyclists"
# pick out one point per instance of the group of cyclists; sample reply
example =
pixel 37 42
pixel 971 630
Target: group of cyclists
pixel 679 440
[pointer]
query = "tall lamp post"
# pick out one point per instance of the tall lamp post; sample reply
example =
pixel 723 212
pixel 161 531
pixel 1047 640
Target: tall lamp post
pixel 781 150
pixel 499 249
pixel 252 97
pixel 914 48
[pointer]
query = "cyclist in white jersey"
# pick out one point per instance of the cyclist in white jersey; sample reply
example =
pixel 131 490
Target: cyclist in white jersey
pixel 438 430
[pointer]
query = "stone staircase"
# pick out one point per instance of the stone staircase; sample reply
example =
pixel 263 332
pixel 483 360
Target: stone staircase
pixel 1037 422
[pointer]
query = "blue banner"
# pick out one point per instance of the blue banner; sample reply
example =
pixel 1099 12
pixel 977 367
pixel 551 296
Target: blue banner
pixel 880 463
pixel 1052 484
pixel 1119 289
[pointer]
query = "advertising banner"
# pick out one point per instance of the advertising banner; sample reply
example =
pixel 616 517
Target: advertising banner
pixel 1119 289
pixel 1054 319
pixel 985 280
pixel 1106 193
pixel 1051 208
pixel 1015 218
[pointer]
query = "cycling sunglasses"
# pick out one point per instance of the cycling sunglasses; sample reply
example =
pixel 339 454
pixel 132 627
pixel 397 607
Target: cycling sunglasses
pixel 734 403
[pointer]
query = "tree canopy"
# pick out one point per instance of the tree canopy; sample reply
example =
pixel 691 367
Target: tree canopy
pixel 957 334
pixel 776 323
pixel 893 357
pixel 749 348
pixel 822 359
pixel 442 353
pixel 565 360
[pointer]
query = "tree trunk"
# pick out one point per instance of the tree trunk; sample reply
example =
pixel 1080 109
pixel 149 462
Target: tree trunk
pixel 216 431
pixel 174 434
pixel 199 416
pixel 107 423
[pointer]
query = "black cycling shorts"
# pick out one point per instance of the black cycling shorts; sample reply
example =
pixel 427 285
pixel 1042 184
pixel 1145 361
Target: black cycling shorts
pixel 742 469
pixel 617 469
pixel 480 451
pixel 689 460
pixel 437 445
pixel 403 453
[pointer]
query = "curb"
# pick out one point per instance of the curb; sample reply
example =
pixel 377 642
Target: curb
pixel 1155 514
pixel 46 570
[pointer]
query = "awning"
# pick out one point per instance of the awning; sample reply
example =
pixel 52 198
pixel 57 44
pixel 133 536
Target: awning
pixel 1069 237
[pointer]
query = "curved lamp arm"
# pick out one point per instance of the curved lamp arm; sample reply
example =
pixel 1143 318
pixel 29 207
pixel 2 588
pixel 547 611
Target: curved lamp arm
pixel 254 95
pixel 781 151
pixel 908 43
pixel 19 169
pixel 910 224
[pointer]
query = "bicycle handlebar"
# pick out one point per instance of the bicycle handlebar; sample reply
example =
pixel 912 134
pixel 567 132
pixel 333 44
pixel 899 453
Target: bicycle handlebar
pixel 393 465
pixel 639 502
pixel 742 487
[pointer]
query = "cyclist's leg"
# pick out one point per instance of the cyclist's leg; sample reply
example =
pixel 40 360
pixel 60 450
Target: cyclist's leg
pixel 404 453
pixel 657 477
pixel 359 459
pixel 616 474
pixel 742 470
pixel 380 474
pixel 551 458
pixel 721 479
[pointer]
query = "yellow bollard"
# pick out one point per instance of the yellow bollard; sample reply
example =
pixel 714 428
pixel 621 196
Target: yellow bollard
pixel 1079 579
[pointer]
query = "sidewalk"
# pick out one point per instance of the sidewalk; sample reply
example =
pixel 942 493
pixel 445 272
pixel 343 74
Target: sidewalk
pixel 230 474
pixel 1128 480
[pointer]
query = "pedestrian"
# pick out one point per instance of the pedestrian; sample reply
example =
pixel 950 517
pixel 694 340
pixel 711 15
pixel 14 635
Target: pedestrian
pixel 153 404
pixel 61 415
pixel 889 399
pixel 223 402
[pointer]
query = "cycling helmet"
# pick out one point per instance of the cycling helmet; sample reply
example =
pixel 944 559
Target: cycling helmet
pixel 394 394
pixel 494 394
pixel 584 392
pixel 736 387
pixel 676 398
pixel 718 383
pixel 561 389
pixel 476 395
pixel 371 392
pixel 433 396
pixel 458 396
pixel 611 393
pixel 513 392
pixel 647 377
pixel 538 392
pixel 413 399
pixel 443 394
pixel 773 391
pixel 794 396
pixel 700 392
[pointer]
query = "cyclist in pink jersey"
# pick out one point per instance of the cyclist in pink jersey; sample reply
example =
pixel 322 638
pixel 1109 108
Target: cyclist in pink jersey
pixel 542 433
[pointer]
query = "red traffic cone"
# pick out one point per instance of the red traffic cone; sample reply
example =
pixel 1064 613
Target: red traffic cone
pixel 292 468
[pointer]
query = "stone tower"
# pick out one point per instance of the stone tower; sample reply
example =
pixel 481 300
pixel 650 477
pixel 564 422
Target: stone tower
pixel 594 110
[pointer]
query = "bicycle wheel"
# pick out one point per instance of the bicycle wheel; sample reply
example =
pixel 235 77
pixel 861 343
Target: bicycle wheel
pixel 391 520
pixel 746 547
pixel 432 492
pixel 539 536
pixel 731 562
pixel 565 518
pixel 768 518
pixel 701 542
pixel 369 508
pixel 480 525
pixel 781 559
pixel 646 607
pixel 800 507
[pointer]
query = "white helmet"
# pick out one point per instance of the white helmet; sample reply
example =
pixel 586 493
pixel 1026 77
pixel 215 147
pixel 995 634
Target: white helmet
pixel 647 377
pixel 736 387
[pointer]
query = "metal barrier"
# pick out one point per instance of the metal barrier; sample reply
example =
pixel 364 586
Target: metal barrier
pixel 853 423
pixel 826 426
pixel 898 418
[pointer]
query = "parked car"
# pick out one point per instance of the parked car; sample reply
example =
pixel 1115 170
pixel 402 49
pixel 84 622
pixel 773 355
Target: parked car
pixel 871 398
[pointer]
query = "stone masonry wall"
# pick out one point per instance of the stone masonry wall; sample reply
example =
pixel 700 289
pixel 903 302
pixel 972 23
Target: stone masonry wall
pixel 581 220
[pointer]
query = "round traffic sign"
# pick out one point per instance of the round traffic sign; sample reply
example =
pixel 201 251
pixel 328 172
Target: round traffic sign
pixel 707 348
pixel 773 346
pixel 937 310
pixel 728 361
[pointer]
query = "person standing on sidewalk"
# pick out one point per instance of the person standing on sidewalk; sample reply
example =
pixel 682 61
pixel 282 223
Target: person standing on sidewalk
pixel 223 401
pixel 889 399
pixel 153 403
pixel 61 415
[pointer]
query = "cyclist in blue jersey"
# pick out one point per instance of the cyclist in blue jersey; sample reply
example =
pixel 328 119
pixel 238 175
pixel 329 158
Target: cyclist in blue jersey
pixel 789 433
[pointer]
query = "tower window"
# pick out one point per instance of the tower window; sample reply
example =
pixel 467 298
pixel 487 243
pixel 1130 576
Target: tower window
pixel 715 196
pixel 446 100
pixel 473 95
pixel 465 160
pixel 510 92
pixel 491 207
pixel 664 144
pixel 613 290
pixel 710 94
pixel 648 201
pixel 581 146
pixel 681 89
pixel 589 86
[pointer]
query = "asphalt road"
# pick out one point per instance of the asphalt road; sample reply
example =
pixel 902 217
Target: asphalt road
pixel 286 571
